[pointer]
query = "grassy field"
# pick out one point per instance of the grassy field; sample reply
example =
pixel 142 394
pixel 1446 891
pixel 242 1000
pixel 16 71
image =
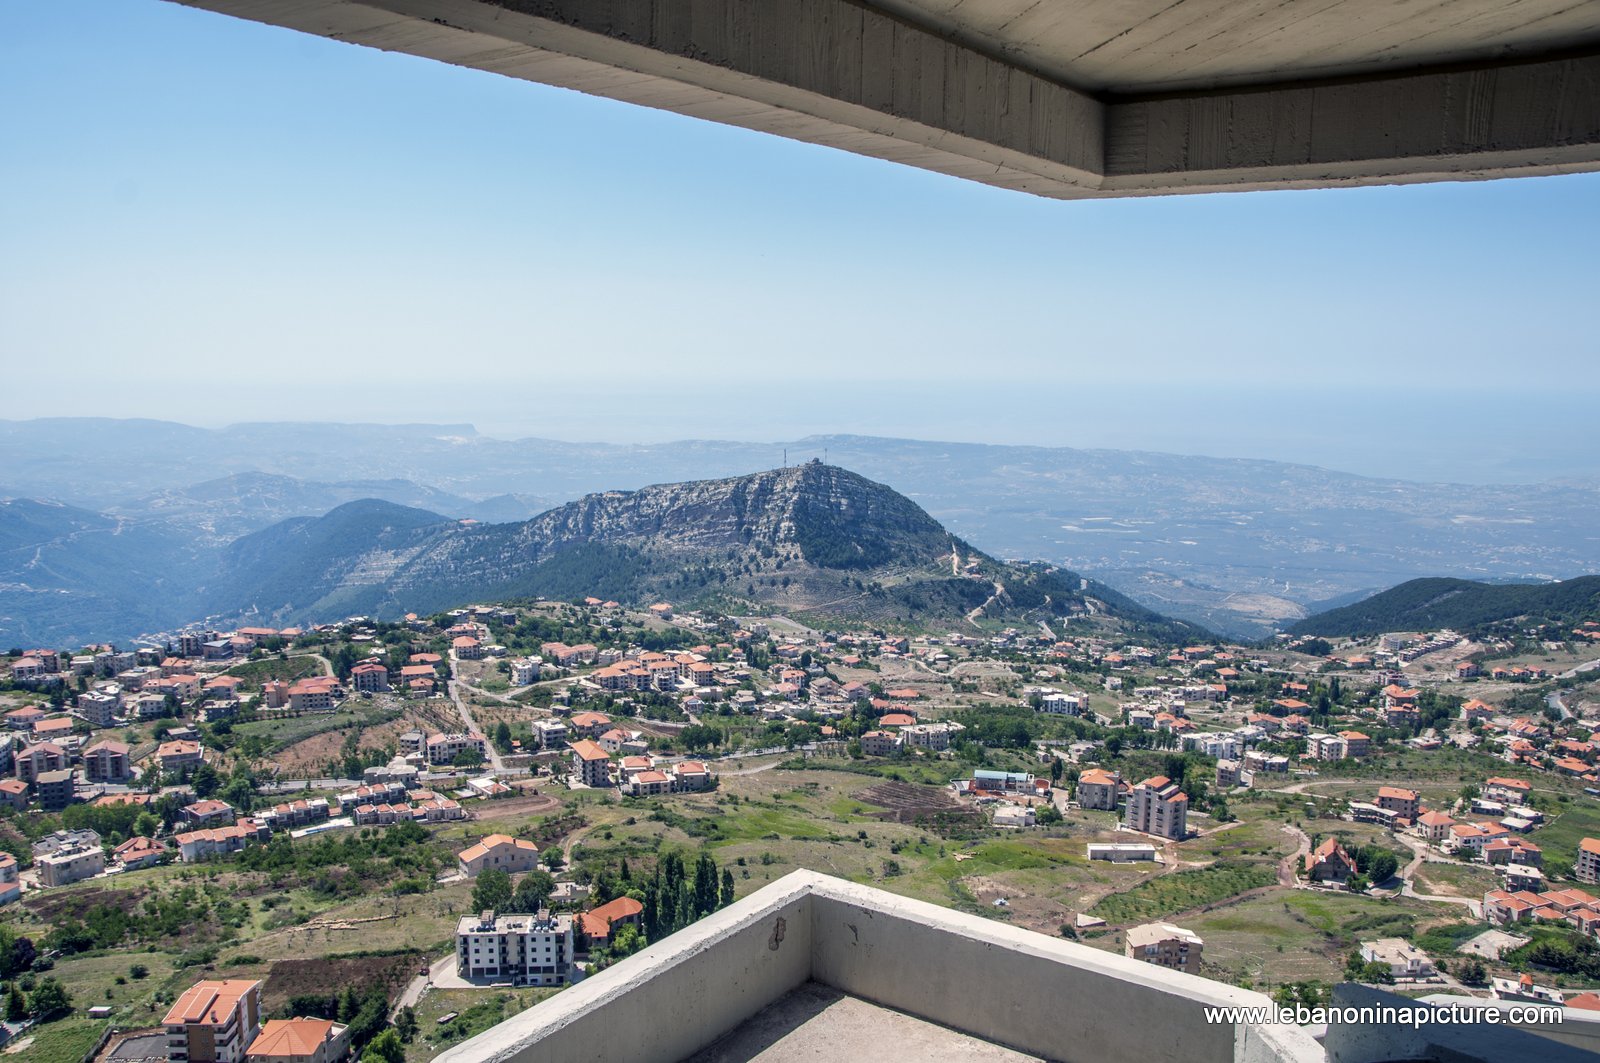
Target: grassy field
pixel 1570 825
pixel 475 1010
pixel 255 673
pixel 63 1041
pixel 283 731
pixel 1181 891
pixel 1456 880
pixel 1299 935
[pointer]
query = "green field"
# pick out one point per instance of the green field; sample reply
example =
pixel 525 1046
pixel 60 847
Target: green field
pixel 1181 891
pixel 256 673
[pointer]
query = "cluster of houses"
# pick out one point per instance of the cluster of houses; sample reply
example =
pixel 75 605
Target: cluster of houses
pixel 221 1020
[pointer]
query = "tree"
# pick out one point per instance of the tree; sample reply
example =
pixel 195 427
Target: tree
pixel 492 891
pixel 533 892
pixel 1047 816
pixel 502 737
pixel 49 1000
pixel 387 1047
pixel 16 1004
pixel 405 1023
pixel 553 859
pixel 626 941
pixel 1471 971
pixel 727 888
pixel 204 782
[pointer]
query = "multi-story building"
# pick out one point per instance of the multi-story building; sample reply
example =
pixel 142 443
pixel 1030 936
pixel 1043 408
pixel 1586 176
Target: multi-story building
pixel 299 1041
pixel 10 888
pixel 520 949
pixel 880 743
pixel 691 776
pixel 524 670
pixel 318 693
pixel 1098 788
pixel 1403 959
pixel 1157 806
pixel 590 763
pixel 54 790
pixel 179 755
pixel 500 852
pixel 443 749
pixel 33 760
pixel 107 762
pixel 99 707
pixel 934 736
pixel 548 734
pixel 1586 866
pixel 197 845
pixel 1164 945
pixel 214 1022
pixel 1406 804
pixel 66 866
pixel 370 677
pixel 1356 744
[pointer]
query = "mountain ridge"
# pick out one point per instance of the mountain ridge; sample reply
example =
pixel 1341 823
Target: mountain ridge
pixel 1465 605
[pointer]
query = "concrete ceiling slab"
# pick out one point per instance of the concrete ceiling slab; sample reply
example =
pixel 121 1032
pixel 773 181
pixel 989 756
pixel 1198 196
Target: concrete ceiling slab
pixel 1055 97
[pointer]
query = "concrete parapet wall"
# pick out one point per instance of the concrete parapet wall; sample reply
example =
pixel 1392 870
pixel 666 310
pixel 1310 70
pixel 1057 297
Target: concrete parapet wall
pixel 1049 998
pixel 673 998
pixel 1012 987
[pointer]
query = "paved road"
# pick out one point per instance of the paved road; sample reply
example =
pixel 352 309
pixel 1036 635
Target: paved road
pixel 1289 866
pixel 1587 666
pixel 1553 699
pixel 456 686
pixel 442 969
pixel 1419 856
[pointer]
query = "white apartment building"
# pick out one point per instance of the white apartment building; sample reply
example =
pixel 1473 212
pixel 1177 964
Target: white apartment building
pixel 524 950
pixel 1157 806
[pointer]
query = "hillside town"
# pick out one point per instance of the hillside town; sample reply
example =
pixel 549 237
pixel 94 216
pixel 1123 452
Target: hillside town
pixel 550 786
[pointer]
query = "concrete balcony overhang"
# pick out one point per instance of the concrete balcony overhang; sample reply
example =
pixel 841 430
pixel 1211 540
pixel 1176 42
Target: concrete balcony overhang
pixel 894 970
pixel 1060 99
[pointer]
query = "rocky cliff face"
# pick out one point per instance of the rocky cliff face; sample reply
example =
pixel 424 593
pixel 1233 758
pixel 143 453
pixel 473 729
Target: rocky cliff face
pixel 815 508
pixel 812 538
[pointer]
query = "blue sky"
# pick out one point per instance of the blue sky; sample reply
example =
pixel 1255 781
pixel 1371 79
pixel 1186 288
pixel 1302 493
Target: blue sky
pixel 210 221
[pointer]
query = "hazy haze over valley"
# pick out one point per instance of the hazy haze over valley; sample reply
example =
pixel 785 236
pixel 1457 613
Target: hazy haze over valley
pixel 1240 546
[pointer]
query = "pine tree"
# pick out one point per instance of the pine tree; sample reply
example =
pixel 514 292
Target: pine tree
pixel 705 886
pixel 727 888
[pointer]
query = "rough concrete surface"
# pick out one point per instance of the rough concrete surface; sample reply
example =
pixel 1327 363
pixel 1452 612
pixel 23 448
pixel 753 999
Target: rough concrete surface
pixel 816 1022
pixel 1139 97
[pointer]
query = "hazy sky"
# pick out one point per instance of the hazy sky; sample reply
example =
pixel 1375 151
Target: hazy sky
pixel 208 220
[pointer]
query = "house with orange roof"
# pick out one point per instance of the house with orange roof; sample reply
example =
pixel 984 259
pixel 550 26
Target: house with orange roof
pixel 692 776
pixel 650 783
pixel 138 852
pixel 1406 804
pixel 592 724
pixel 1476 710
pixel 1433 827
pixel 13 793
pixel 24 718
pixel 1100 789
pixel 1356 744
pixel 214 1020
pixel 1329 862
pixel 596 926
pixel 107 761
pixel 299 1040
pixel 500 852
pixel 590 763
pixel 1156 806
pixel 1586 862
